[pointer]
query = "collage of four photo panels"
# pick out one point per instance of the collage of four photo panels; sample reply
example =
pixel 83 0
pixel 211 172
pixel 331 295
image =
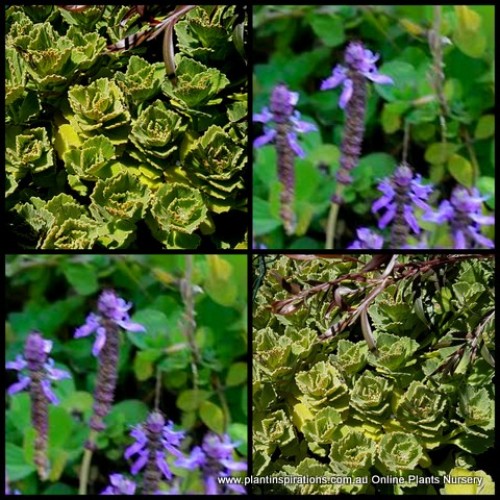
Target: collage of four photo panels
pixel 152 348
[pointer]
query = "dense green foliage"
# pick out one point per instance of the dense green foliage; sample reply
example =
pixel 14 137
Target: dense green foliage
pixel 417 408
pixel 93 136
pixel 199 391
pixel 450 124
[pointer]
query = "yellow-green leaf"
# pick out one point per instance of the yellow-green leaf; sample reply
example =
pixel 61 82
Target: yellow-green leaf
pixel 220 284
pixel 440 152
pixel 65 138
pixel 468 20
pixel 58 458
pixel 462 170
pixel 191 399
pixel 471 43
pixel 237 374
pixel 485 127
pixel 212 416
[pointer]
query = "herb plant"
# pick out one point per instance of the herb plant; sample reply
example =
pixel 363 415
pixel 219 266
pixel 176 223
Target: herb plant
pixel 105 148
pixel 375 372
pixel 386 87
pixel 134 383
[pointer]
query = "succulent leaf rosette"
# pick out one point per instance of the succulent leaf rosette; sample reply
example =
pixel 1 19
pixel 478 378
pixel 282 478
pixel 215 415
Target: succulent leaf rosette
pixel 90 158
pixel 142 80
pixel 370 398
pixel 353 453
pixel 273 432
pixel 156 134
pixel 421 411
pixel 99 108
pixel 52 60
pixel 27 152
pixel 217 164
pixel 177 213
pixel 64 222
pixel 196 84
pixel 399 452
pixel 323 385
pixel 350 356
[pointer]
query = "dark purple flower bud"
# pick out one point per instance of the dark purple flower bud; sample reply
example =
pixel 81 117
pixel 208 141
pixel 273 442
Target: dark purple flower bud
pixel 154 441
pixel 360 65
pixel 36 372
pixel 401 194
pixel 463 212
pixel 282 124
pixel 120 485
pixel 215 459
pixel 367 240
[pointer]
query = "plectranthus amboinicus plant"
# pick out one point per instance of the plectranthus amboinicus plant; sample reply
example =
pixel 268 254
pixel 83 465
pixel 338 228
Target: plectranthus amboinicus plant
pixel 282 124
pixel 154 442
pixel 402 194
pixel 463 213
pixel 36 371
pixel 113 315
pixel 359 66
pixel 215 460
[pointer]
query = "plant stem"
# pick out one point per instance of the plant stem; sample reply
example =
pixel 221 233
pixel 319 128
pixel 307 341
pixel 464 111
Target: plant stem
pixel 332 217
pixel 85 468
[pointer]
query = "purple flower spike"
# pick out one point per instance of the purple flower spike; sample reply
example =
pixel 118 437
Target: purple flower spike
pixel 463 212
pixel 282 124
pixel 120 485
pixel 401 193
pixel 36 371
pixel 113 315
pixel 154 441
pixel 359 66
pixel 215 459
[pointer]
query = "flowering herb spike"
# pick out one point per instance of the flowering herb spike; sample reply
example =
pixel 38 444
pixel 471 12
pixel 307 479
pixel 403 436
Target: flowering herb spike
pixel 153 441
pixel 214 459
pixel 287 125
pixel 40 371
pixel 463 214
pixel 401 193
pixel 113 315
pixel 359 66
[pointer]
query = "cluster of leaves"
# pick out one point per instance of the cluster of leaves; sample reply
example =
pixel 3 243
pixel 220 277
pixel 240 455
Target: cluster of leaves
pixel 53 294
pixel 420 405
pixel 450 134
pixel 103 149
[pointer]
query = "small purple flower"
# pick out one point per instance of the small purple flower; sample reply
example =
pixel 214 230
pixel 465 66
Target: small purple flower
pixel 120 485
pixel 154 441
pixel 7 487
pixel 367 240
pixel 401 193
pixel 359 60
pixel 282 112
pixel 464 214
pixel 113 310
pixel 37 350
pixel 214 458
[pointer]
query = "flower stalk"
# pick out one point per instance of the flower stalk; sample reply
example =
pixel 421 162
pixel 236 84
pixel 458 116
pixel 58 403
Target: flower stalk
pixel 359 65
